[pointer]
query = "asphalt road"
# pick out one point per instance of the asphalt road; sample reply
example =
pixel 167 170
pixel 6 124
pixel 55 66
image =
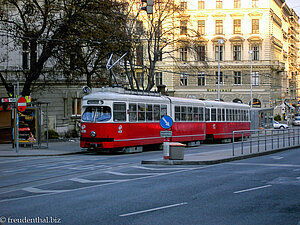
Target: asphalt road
pixel 117 189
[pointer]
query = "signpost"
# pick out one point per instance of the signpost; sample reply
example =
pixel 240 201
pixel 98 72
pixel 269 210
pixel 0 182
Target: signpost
pixel 21 104
pixel 166 122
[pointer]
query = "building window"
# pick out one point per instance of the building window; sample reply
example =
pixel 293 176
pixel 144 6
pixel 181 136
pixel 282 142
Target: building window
pixel 236 26
pixel 255 26
pixel 183 27
pixel 255 78
pixel 237 78
pixel 219 4
pixel 76 107
pixel 183 54
pixel 237 52
pixel 201 4
pixel 140 79
pixel 201 52
pixel 139 27
pixel 217 52
pixel 219 26
pixel 255 49
pixel 158 78
pixel 183 6
pixel 255 3
pixel 183 79
pixel 237 4
pixel 201 79
pixel 25 58
pixel 159 57
pixel 221 77
pixel 201 27
pixel 139 55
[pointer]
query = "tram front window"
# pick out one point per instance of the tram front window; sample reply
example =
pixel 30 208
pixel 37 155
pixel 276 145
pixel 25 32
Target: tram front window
pixel 96 114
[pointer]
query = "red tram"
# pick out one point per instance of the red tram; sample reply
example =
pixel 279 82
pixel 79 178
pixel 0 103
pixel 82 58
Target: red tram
pixel 115 119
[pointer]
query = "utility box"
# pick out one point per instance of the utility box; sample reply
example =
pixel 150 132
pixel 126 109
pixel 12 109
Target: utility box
pixel 176 151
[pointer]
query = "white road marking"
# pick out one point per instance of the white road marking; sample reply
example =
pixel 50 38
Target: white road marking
pixel 276 157
pixel 133 174
pixel 105 184
pixel 37 190
pixel 150 168
pixel 85 181
pixel 252 189
pixel 265 164
pixel 154 209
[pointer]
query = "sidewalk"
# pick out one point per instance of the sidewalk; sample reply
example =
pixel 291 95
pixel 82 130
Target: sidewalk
pixel 211 157
pixel 67 147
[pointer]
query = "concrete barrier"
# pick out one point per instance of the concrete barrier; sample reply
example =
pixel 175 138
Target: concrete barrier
pixel 176 151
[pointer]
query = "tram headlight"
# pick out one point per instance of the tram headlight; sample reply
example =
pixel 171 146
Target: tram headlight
pixel 93 134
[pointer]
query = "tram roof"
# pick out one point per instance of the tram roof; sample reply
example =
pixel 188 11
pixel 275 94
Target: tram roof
pixel 225 104
pixel 113 96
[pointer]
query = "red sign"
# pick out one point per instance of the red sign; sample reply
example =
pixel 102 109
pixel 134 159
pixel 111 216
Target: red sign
pixel 21 104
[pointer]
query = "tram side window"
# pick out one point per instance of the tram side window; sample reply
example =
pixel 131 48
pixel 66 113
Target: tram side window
pixel 195 114
pixel 201 114
pixel 119 111
pixel 231 114
pixel 244 115
pixel 219 114
pixel 183 113
pixel 132 112
pixel 207 114
pixel 227 115
pixel 149 112
pixel 223 114
pixel 213 114
pixel 163 110
pixel 189 113
pixel 156 112
pixel 177 113
pixel 141 112
pixel 235 115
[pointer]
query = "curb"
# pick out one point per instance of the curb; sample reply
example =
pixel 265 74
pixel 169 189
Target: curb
pixel 217 161
pixel 56 154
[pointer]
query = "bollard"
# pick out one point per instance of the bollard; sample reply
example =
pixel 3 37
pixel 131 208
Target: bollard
pixel 166 149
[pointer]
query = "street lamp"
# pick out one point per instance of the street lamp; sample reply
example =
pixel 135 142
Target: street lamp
pixel 221 41
pixel 251 98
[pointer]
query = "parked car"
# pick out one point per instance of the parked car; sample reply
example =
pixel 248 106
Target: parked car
pixel 296 121
pixel 278 125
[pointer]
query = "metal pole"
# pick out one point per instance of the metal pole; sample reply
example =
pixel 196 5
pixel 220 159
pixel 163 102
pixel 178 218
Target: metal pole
pixel 219 70
pixel 251 97
pixel 17 117
pixel 233 143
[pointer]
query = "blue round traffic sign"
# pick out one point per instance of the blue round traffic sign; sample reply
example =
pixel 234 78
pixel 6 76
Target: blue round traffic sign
pixel 166 122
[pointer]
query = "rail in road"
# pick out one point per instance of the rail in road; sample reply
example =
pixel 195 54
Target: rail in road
pixel 257 141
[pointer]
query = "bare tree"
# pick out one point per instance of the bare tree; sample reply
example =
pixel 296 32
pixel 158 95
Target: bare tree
pixel 155 32
pixel 50 29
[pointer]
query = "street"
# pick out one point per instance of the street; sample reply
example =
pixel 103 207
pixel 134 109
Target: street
pixel 116 189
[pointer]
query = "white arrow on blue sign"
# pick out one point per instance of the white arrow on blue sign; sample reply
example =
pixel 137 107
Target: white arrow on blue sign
pixel 166 122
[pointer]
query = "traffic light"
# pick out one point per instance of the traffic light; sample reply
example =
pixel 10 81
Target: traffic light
pixel 10 90
pixel 149 7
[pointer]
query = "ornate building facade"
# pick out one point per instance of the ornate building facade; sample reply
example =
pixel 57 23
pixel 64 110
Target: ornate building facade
pixel 235 37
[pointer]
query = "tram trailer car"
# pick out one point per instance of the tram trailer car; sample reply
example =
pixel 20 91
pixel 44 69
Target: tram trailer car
pixel 222 118
pixel 115 120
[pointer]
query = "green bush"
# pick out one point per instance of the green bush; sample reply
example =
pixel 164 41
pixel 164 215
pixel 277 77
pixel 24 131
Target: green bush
pixel 277 118
pixel 52 134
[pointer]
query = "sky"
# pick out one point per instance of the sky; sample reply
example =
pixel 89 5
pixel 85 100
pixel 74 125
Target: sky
pixel 294 4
